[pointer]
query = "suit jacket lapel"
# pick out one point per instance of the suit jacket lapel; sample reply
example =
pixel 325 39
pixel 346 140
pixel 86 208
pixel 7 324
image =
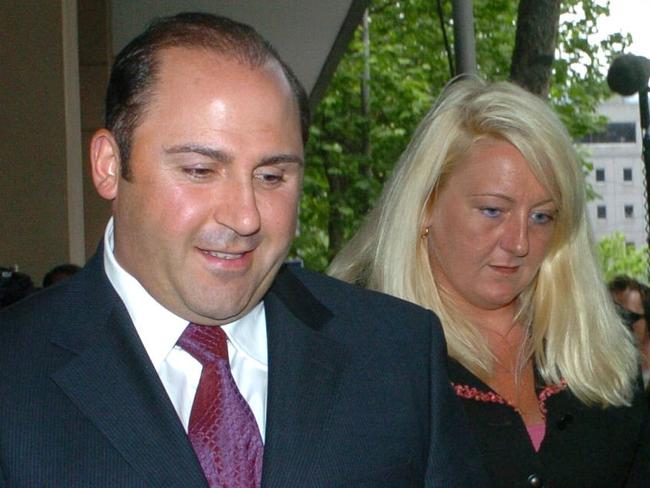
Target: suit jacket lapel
pixel 305 368
pixel 114 384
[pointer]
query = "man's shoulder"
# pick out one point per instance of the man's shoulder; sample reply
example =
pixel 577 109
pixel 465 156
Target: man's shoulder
pixel 82 293
pixel 339 295
pixel 373 327
pixel 40 306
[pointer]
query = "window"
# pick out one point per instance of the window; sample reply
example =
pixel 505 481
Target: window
pixel 600 174
pixel 601 211
pixel 614 132
pixel 627 174
pixel 629 211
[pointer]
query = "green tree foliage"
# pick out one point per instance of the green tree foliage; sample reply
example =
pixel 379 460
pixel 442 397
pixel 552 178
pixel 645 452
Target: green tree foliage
pixel 352 149
pixel 617 258
pixel 578 78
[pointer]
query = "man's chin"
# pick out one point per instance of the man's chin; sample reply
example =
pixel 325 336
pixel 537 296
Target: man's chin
pixel 221 298
pixel 221 309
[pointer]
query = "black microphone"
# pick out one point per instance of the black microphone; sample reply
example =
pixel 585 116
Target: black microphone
pixel 628 74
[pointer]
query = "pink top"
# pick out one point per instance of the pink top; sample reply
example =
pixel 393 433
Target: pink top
pixel 536 434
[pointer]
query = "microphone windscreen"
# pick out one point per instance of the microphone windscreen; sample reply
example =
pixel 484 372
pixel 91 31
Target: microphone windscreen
pixel 628 74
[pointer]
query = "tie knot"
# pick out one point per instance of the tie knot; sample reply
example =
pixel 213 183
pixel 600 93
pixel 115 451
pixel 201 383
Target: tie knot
pixel 206 343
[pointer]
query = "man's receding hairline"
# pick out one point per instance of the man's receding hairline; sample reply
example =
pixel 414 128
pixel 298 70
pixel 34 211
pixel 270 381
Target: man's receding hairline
pixel 218 52
pixel 270 63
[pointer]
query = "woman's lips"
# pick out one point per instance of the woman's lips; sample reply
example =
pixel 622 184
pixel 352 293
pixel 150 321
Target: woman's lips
pixel 504 269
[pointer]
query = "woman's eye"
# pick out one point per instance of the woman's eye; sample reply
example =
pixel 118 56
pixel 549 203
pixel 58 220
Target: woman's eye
pixel 542 217
pixel 491 212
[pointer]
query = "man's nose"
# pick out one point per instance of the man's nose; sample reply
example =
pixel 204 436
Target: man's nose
pixel 237 208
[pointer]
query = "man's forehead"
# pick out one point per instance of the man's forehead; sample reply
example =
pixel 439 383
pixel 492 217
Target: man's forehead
pixel 198 92
pixel 629 298
pixel 169 58
pixel 181 67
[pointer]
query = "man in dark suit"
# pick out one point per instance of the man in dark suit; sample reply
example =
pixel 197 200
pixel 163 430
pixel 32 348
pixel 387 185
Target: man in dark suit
pixel 324 384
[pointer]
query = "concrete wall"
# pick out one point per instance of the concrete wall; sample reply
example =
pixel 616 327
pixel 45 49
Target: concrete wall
pixel 95 59
pixel 33 155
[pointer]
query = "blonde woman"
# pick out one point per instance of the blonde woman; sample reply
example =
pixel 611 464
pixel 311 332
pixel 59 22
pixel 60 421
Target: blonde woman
pixel 484 223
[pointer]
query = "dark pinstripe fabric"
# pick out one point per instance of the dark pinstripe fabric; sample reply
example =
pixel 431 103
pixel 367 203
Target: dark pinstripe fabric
pixel 358 394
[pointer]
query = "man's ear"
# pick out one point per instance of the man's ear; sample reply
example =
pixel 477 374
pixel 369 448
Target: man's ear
pixel 105 163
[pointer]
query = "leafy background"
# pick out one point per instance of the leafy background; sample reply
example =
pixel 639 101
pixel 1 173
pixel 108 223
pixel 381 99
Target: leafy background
pixel 402 67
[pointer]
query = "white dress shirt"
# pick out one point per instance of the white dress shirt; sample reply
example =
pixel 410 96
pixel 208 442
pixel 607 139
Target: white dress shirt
pixel 159 330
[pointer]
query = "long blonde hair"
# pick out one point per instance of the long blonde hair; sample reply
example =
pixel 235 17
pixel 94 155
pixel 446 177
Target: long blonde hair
pixel 574 333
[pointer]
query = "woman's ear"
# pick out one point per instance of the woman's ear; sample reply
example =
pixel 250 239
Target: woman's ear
pixel 105 163
pixel 428 219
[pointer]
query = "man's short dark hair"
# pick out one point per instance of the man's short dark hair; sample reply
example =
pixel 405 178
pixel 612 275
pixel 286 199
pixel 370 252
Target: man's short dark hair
pixel 135 69
pixel 620 283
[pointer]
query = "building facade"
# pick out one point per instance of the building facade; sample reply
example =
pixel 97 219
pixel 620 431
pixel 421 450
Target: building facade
pixel 618 176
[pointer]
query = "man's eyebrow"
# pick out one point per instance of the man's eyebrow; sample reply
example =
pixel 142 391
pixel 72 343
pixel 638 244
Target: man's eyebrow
pixel 209 152
pixel 222 157
pixel 282 158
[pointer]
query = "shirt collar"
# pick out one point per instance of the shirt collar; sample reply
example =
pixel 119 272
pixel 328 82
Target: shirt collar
pixel 159 329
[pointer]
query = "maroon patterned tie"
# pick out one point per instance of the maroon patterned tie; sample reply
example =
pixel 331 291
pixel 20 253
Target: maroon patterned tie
pixel 222 429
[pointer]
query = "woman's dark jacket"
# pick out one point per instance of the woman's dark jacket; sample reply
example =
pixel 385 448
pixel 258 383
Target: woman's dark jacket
pixel 584 446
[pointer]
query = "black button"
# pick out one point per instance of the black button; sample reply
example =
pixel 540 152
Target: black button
pixel 535 480
pixel 563 423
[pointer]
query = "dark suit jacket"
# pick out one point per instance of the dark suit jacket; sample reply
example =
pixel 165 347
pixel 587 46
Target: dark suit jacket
pixel 358 393
pixel 584 446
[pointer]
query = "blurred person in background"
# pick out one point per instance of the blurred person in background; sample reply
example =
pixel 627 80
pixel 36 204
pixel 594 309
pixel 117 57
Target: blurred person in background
pixel 59 273
pixel 633 300
pixel 14 286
